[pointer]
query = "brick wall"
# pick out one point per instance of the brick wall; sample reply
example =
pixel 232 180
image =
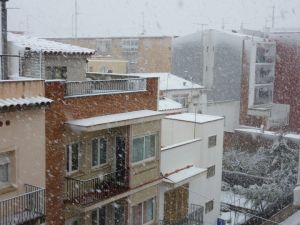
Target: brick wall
pixel 287 80
pixel 63 109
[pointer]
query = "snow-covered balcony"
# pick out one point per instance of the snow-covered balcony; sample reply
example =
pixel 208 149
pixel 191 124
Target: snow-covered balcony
pixel 90 191
pixel 27 208
pixel 96 87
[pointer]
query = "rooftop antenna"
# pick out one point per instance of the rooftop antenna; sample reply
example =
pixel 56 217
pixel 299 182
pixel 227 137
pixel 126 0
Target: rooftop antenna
pixel 203 25
pixel 273 16
pixel 143 24
pixel 4 39
pixel 76 19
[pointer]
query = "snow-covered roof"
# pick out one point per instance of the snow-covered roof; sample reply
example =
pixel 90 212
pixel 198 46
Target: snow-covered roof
pixel 166 104
pixel 168 81
pixel 182 176
pixel 269 134
pixel 292 220
pixel 49 47
pixel 21 102
pixel 114 120
pixel 192 117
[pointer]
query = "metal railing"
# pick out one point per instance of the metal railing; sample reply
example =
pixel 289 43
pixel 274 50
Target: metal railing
pixel 24 208
pixel 194 217
pixel 74 88
pixel 87 192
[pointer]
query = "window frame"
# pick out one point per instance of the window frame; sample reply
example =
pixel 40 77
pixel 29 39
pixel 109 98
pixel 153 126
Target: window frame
pixel 213 168
pixel 144 153
pixel 209 142
pixel 8 162
pixel 209 206
pixel 98 214
pixel 153 199
pixel 99 164
pixel 69 163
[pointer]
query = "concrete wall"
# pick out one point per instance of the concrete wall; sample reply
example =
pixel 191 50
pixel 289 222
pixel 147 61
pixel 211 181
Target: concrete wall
pixel 229 110
pixel 24 140
pixel 209 187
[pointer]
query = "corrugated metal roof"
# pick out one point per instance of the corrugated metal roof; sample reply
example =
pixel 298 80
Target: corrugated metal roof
pixel 28 101
pixel 48 47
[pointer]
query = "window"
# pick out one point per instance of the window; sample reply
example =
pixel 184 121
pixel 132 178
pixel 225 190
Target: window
pixel 143 148
pixel 263 95
pixel 72 156
pixel 183 100
pixel 98 216
pixel 212 141
pixel 143 213
pixel 4 170
pixel 130 45
pixel 211 171
pixel 56 72
pixel 209 206
pixel 103 47
pixel 99 146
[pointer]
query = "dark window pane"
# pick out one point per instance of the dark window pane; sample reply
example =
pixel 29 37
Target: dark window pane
pixel 95 152
pixel 103 144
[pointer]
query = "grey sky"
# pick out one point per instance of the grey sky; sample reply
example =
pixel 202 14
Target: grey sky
pixel 53 18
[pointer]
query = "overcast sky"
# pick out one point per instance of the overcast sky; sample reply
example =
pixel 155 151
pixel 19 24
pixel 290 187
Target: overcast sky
pixel 53 18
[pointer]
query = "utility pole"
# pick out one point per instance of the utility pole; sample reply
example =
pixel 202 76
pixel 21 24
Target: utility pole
pixel 76 19
pixel 273 16
pixel 4 39
pixel 143 24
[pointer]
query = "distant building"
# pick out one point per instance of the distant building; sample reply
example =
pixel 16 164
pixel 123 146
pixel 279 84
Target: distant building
pixel 144 54
pixel 40 58
pixel 190 95
pixel 191 165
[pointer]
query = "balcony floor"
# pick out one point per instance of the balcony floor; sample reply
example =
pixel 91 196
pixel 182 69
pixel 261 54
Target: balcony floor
pixel 22 218
pixel 94 197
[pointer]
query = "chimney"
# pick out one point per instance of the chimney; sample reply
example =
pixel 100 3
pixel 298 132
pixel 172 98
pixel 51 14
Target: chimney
pixel 4 40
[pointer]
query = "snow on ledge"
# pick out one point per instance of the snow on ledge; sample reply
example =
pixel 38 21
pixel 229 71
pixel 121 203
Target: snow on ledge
pixel 180 144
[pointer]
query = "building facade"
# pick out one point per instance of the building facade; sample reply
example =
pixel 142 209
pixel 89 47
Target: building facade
pixel 141 52
pixel 108 142
pixel 22 152
pixel 195 148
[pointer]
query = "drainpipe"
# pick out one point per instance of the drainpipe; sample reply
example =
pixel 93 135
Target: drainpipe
pixel 4 39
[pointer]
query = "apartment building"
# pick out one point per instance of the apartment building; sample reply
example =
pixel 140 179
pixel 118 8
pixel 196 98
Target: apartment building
pixel 44 59
pixel 22 151
pixel 141 52
pixel 191 188
pixel 107 140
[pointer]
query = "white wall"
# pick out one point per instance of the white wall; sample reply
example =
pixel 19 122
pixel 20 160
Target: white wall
pixel 204 189
pixel 229 110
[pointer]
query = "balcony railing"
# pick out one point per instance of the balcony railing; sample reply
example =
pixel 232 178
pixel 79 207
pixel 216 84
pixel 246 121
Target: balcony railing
pixel 74 88
pixel 25 208
pixel 194 217
pixel 87 192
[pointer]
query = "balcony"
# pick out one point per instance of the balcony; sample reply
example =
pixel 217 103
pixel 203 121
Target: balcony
pixel 25 208
pixel 194 216
pixel 96 87
pixel 88 192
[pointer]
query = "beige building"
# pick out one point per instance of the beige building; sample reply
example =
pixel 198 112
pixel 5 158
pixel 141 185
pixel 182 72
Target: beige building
pixel 107 65
pixel 144 54
pixel 22 151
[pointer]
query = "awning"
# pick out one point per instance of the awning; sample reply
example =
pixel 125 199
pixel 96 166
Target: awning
pixel 183 176
pixel 114 120
pixel 21 102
